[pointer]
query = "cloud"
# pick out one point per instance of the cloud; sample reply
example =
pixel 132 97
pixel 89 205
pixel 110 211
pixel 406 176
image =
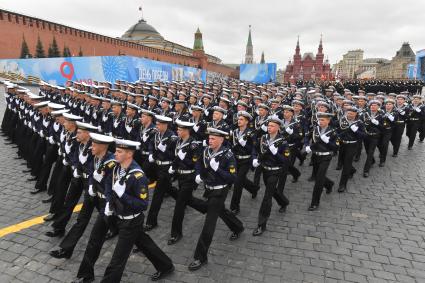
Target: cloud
pixel 378 27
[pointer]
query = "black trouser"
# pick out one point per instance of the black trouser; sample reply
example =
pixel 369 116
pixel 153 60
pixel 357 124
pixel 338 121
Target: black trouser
pixel 359 150
pixel 163 186
pixel 215 208
pixel 147 167
pixel 271 178
pixel 421 129
pixel 74 193
pixel 83 219
pixel 347 152
pixel 291 170
pixel 370 144
pixel 383 145
pixel 186 184
pixel 396 136
pixel 6 119
pixel 37 156
pixel 257 175
pixel 320 167
pixel 49 159
pixel 60 188
pixel 242 181
pixel 130 233
pixel 411 130
pixel 55 175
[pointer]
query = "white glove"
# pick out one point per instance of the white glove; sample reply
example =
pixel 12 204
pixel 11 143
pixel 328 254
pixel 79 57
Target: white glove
pixel 242 141
pixel 108 211
pixel 324 138
pixel 289 130
pixel 391 117
pixel 255 163
pixel 171 170
pixel 75 173
pixel 206 112
pixel 30 124
pixel 41 134
pixel 51 141
pixel 145 137
pixel 97 176
pixel 82 157
pixel 91 193
pixel 273 149
pixel 118 188
pixel 204 143
pixel 25 122
pixel 308 149
pixel 151 158
pixel 99 128
pixel 264 127
pixel 64 162
pixel 376 122
pixel 402 113
pixel 181 154
pixel 354 127
pixel 162 147
pixel 417 109
pixel 195 128
pixel 198 179
pixel 214 164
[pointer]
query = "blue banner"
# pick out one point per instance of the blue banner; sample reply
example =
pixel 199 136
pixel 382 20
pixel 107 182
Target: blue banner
pixel 258 73
pixel 97 68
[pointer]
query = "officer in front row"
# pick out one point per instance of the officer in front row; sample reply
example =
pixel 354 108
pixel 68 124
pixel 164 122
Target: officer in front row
pixel 218 172
pixel 126 195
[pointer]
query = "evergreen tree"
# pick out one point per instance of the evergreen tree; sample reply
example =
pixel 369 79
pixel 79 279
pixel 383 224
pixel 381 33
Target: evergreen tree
pixel 39 49
pixel 25 52
pixel 80 53
pixel 66 52
pixel 50 51
pixel 55 49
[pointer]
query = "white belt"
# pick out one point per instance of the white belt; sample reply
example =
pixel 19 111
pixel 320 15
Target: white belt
pixel 272 168
pixel 216 187
pixel 400 122
pixel 145 152
pixel 85 176
pixel 322 153
pixel 349 142
pixel 163 162
pixel 128 217
pixel 243 156
pixel 185 171
pixel 414 119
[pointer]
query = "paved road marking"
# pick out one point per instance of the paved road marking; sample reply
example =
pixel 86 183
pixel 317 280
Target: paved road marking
pixel 39 220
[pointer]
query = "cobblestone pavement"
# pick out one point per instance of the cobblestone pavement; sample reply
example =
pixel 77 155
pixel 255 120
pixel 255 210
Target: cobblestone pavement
pixel 373 233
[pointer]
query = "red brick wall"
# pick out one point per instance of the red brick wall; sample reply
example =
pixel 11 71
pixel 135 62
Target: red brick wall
pixel 14 26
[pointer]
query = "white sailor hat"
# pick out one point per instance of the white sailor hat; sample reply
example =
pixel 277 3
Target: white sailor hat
pixel 375 101
pixel 196 108
pixel 288 107
pixel 216 132
pixel 148 112
pixel 41 104
pixel 72 117
pixel 184 124
pixel 101 139
pixel 245 114
pixel 56 106
pixel 126 144
pixel 133 106
pixel 86 127
pixel 59 112
pixel 324 115
pixel 163 119
pixel 275 119
pixel 219 109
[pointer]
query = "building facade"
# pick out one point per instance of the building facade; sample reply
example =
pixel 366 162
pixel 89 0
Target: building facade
pixel 15 27
pixel 308 66
pixel 348 66
pixel 397 67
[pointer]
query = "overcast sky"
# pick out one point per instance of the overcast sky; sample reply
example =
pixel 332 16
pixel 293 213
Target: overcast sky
pixel 379 27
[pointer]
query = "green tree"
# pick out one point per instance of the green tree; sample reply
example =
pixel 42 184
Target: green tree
pixel 66 52
pixel 50 51
pixel 80 53
pixel 54 49
pixel 25 51
pixel 39 49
